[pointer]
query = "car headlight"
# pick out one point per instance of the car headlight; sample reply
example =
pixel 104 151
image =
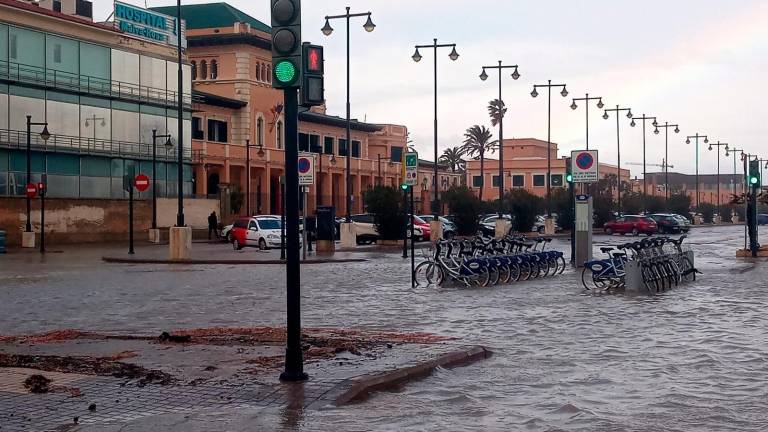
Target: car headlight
pixel 273 237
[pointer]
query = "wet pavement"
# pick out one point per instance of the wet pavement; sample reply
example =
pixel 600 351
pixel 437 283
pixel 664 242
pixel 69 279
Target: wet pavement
pixel 694 358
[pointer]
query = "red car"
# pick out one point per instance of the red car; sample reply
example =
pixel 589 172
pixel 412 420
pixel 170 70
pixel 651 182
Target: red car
pixel 632 224
pixel 421 223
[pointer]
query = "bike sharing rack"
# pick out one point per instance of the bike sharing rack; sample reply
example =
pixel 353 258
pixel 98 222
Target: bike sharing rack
pixel 634 283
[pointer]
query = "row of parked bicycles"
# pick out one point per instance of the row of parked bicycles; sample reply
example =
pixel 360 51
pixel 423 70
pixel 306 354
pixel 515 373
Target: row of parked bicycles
pixel 484 261
pixel 663 263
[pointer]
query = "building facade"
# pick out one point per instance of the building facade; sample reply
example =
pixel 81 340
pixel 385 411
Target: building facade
pixel 525 167
pixel 101 90
pixel 238 134
pixel 730 184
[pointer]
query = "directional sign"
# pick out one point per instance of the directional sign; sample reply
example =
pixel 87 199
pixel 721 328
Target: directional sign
pixel 306 169
pixel 411 169
pixel 31 190
pixel 141 182
pixel 584 166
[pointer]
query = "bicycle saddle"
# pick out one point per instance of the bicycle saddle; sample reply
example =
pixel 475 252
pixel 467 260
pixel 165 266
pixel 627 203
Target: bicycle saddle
pixel 606 249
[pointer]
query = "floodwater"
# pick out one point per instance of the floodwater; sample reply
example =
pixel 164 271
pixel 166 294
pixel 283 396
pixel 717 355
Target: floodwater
pixel 691 359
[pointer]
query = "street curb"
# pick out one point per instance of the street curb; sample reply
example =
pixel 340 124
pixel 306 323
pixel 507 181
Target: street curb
pixel 364 385
pixel 226 262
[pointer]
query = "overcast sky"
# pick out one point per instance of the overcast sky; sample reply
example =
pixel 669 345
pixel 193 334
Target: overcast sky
pixel 699 63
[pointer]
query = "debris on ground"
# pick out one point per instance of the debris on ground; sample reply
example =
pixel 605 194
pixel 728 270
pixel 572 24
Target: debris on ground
pixel 86 366
pixel 47 337
pixel 92 407
pixel 38 384
pixel 167 337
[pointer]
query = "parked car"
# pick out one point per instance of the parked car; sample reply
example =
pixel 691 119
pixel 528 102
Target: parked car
pixel 488 224
pixel 449 228
pixel 631 224
pixel 366 232
pixel 263 232
pixel 226 233
pixel 762 219
pixel 671 223
pixel 539 225
pixel 426 230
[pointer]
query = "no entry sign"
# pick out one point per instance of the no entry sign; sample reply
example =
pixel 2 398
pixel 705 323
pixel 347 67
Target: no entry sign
pixel 306 170
pixel 31 190
pixel 584 166
pixel 141 182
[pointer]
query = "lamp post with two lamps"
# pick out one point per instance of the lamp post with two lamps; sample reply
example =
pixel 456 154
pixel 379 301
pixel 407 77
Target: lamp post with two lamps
pixel 327 30
pixel 644 118
pixel 502 110
pixel 417 58
pixel 688 141
pixel 617 110
pixel 563 93
pixel 248 146
pixel 712 146
pixel 587 99
pixel 666 167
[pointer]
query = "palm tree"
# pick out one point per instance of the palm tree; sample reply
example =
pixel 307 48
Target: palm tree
pixel 477 141
pixel 497 110
pixel 453 157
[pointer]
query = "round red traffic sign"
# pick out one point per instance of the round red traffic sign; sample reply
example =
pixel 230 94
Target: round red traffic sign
pixel 584 161
pixel 305 165
pixel 141 182
pixel 31 190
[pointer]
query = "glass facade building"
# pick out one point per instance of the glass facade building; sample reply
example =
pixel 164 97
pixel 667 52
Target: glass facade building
pixel 101 104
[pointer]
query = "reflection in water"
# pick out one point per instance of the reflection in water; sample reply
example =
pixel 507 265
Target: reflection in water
pixel 293 413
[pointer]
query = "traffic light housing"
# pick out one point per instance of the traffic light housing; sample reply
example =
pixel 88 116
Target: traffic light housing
pixel 286 43
pixel 754 174
pixel 568 171
pixel 313 81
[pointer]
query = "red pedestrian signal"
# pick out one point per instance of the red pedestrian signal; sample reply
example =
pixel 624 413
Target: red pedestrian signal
pixel 315 59
pixel 313 82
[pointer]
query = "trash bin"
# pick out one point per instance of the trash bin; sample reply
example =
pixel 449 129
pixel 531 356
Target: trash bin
pixel 2 242
pixel 326 227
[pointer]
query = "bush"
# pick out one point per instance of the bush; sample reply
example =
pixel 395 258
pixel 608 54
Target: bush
pixel 603 207
pixel 236 200
pixel 465 208
pixel 679 204
pixel 562 204
pixel 385 203
pixel 524 207
pixel 707 211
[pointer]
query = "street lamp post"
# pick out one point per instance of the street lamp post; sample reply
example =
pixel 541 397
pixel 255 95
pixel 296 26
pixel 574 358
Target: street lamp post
pixel 535 93
pixel 168 146
pixel 45 135
pixel 417 57
pixel 94 119
pixel 587 99
pixel 327 30
pixel 180 122
pixel 645 173
pixel 666 127
pixel 688 141
pixel 728 152
pixel 617 110
pixel 502 111
pixel 711 147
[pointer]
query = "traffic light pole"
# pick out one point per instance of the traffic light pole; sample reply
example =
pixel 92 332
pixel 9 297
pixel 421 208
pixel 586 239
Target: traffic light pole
pixel 294 361
pixel 413 253
pixel 405 229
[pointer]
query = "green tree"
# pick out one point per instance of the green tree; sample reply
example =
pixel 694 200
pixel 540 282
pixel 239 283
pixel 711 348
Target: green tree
pixel 679 203
pixel 453 157
pixel 385 203
pixel 707 211
pixel 478 142
pixel 497 109
pixel 562 204
pixel 465 208
pixel 524 207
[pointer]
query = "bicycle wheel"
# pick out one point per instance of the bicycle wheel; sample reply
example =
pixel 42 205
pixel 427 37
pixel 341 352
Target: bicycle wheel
pixel 648 280
pixel 494 276
pixel 561 268
pixel 514 272
pixel 505 274
pixel 481 277
pixel 428 273
pixel 687 272
pixel 526 271
pixel 587 279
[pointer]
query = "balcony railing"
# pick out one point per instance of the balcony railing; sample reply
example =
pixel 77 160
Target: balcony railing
pixel 17 140
pixel 87 85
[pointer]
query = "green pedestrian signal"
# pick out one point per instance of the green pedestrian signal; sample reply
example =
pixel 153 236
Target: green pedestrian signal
pixel 404 186
pixel 568 171
pixel 754 173
pixel 569 178
pixel 285 72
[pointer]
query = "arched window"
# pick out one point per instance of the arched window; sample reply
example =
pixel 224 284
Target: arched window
pixel 264 72
pixel 258 71
pixel 260 132
pixel 279 137
pixel 214 69
pixel 203 70
pixel 194 70
pixel 269 74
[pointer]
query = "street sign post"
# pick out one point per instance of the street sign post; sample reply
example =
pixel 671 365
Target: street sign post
pixel 584 166
pixel 141 182
pixel 306 170
pixel 411 169
pixel 41 188
pixel 31 190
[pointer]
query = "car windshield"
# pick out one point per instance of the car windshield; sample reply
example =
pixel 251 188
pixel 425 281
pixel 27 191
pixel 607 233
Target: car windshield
pixel 269 224
pixel 418 220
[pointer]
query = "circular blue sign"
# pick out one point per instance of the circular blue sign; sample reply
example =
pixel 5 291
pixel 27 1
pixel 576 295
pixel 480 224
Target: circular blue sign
pixel 304 165
pixel 584 161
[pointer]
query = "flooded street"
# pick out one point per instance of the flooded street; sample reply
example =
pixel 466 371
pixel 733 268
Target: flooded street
pixel 691 359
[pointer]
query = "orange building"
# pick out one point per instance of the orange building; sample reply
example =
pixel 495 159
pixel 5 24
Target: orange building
pixel 525 167
pixel 730 184
pixel 235 104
